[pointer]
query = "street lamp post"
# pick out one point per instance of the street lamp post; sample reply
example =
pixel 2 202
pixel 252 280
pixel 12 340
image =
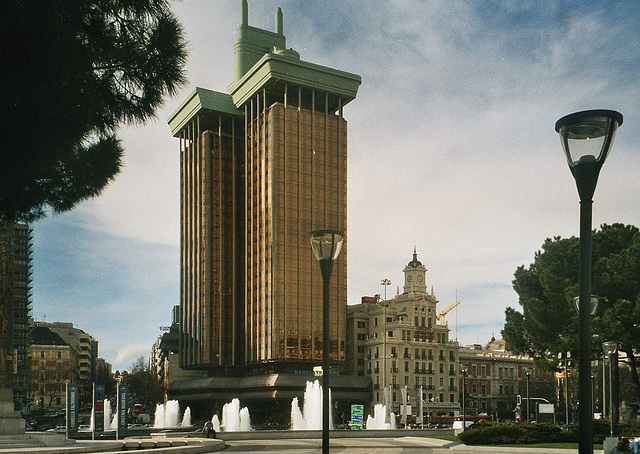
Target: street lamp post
pixel 326 245
pixel 464 388
pixel 567 360
pixel 610 348
pixel 385 282
pixel 586 140
pixel 528 374
pixel 593 386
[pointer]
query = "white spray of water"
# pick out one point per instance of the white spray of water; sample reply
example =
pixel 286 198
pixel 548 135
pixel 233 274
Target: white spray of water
pixel 216 423
pixel 168 415
pixel 186 418
pixel 377 421
pixel 234 418
pixel 310 417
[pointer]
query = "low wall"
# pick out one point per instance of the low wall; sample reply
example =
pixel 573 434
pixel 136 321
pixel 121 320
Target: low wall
pixel 310 434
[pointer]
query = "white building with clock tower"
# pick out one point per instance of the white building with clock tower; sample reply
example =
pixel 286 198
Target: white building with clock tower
pixel 403 344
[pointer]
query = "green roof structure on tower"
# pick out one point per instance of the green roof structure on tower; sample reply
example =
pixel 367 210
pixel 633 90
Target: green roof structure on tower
pixel 262 59
pixel 200 100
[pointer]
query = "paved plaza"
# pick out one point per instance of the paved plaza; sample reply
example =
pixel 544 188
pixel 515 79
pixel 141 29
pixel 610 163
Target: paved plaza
pixel 196 445
pixel 397 445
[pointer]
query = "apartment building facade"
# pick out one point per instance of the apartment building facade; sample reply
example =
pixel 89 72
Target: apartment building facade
pixel 403 344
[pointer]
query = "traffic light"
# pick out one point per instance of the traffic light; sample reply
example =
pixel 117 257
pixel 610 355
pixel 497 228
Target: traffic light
pixel 519 399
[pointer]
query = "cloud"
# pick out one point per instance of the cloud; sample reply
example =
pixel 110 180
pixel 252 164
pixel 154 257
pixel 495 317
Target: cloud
pixel 130 353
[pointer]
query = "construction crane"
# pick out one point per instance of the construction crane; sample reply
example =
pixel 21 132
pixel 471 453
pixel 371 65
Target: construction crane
pixel 440 317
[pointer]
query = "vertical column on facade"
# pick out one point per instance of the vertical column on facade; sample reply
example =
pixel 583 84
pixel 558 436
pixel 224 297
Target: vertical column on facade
pixel 234 244
pixel 247 236
pixel 327 203
pixel 186 320
pixel 341 192
pixel 259 152
pixel 183 320
pixel 325 133
pixel 312 224
pixel 221 248
pixel 251 239
pixel 196 230
pixel 285 217
pixel 206 228
pixel 258 232
pixel 189 228
pixel 189 303
pixel 268 233
pixel 300 235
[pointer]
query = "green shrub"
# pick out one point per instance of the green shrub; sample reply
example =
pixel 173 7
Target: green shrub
pixel 601 430
pixel 492 433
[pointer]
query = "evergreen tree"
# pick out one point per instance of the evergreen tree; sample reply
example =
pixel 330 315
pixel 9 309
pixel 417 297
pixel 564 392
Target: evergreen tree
pixel 73 71
pixel 548 322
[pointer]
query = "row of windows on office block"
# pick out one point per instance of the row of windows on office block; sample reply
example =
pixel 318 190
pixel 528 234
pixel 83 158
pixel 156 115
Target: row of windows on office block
pixel 425 382
pixel 418 353
pixel 427 397
pixel 407 335
pixel 417 369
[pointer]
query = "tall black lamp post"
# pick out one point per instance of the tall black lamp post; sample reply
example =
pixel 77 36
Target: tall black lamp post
pixel 586 140
pixel 610 348
pixel 528 374
pixel 326 245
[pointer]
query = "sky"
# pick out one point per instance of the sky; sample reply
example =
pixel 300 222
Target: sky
pixel 451 150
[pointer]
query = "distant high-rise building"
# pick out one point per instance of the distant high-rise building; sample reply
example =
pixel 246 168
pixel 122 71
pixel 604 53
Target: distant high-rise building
pixel 21 311
pixel 261 167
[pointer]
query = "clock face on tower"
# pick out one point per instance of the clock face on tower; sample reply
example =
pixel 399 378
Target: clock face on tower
pixel 420 279
pixel 408 278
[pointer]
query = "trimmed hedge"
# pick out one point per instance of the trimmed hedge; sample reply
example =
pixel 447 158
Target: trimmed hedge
pixel 501 433
pixel 493 433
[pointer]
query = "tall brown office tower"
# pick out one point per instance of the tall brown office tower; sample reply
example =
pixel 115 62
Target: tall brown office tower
pixel 261 167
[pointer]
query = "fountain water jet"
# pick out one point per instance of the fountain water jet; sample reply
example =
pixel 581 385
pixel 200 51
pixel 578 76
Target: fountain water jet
pixel 377 421
pixel 110 419
pixel 234 418
pixel 168 415
pixel 310 417
pixel 186 418
pixel 216 423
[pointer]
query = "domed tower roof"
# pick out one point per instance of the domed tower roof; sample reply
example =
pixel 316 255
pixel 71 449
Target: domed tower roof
pixel 415 263
pixel 415 275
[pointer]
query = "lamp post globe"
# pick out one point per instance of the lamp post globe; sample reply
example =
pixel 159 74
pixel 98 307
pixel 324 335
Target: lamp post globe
pixel 595 303
pixel 586 139
pixel 326 246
